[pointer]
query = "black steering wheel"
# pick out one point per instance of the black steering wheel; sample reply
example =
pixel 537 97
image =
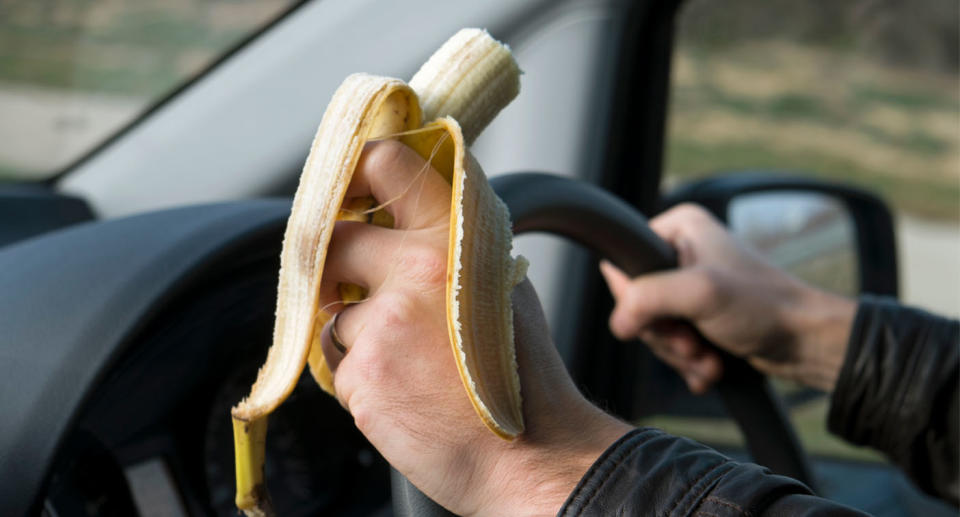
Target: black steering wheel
pixel 98 318
pixel 601 222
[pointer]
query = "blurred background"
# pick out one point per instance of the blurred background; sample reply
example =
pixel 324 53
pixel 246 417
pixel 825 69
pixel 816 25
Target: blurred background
pixel 73 72
pixel 860 91
pixel 864 92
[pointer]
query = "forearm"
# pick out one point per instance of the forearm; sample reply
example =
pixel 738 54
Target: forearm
pixel 564 434
pixel 821 325
pixel 649 472
pixel 897 391
pixel 535 478
pixel 810 341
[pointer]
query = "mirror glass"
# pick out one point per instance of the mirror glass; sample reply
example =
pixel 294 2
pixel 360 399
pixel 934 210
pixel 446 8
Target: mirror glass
pixel 809 234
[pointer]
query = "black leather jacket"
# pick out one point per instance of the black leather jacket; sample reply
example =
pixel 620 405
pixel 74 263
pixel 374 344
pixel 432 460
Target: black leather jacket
pixel 897 392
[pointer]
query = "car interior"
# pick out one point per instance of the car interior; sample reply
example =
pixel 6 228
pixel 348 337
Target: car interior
pixel 139 280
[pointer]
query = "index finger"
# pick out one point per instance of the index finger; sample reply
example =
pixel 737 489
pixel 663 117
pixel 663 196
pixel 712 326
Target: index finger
pixel 403 183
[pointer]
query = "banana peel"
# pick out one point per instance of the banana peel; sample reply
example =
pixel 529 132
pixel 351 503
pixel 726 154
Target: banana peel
pixel 460 89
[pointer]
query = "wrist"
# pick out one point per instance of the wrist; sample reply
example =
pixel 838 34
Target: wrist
pixel 820 325
pixel 535 476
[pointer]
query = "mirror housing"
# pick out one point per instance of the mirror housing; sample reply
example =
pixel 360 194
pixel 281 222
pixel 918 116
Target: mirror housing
pixel 872 222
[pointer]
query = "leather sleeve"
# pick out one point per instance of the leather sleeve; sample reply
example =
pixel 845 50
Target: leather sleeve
pixel 649 472
pixel 897 391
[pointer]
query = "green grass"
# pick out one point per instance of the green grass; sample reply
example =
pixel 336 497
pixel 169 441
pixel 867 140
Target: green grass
pixel 797 106
pixel 909 114
pixel 916 100
pixel 915 141
pixel 146 46
pixel 688 159
pixel 801 107
pixel 149 27
pixel 118 78
pixel 160 28
pixel 923 142
pixel 786 106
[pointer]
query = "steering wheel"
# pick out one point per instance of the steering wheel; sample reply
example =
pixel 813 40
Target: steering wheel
pixel 140 294
pixel 601 222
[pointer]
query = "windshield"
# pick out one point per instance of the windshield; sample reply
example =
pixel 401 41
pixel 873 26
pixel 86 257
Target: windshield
pixel 73 72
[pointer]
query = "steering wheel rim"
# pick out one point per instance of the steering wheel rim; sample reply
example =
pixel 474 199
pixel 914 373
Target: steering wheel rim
pixel 603 223
pixel 606 225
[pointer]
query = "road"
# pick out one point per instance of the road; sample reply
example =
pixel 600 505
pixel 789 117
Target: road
pixel 929 254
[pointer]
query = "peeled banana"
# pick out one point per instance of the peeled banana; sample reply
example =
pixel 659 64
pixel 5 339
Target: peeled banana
pixel 460 89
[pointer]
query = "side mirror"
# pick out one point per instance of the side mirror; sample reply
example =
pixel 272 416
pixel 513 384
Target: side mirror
pixel 834 236
pixel 809 234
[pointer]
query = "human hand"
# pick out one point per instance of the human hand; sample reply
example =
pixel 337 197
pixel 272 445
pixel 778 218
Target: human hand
pixel 737 300
pixel 400 382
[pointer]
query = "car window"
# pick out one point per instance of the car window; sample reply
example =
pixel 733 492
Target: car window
pixel 73 73
pixel 859 92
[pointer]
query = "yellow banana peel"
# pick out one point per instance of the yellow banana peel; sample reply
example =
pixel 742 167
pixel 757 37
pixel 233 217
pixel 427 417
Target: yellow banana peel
pixel 460 89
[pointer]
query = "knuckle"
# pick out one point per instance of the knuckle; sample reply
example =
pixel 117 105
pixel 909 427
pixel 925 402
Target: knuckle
pixel 695 217
pixel 709 287
pixel 683 219
pixel 426 266
pixel 383 156
pixel 370 369
pixel 395 311
pixel 363 417
pixel 375 370
pixel 692 211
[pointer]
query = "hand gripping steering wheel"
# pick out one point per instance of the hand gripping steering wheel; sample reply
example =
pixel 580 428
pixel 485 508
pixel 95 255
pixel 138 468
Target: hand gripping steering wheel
pixel 601 222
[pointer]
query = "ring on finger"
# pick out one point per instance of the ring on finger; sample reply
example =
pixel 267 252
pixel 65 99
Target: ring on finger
pixel 334 338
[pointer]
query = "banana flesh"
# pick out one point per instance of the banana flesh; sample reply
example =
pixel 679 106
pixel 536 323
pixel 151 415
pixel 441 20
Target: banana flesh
pixel 470 78
pixel 462 86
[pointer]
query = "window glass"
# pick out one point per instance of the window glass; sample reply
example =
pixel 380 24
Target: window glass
pixel 808 234
pixel 863 92
pixel 72 72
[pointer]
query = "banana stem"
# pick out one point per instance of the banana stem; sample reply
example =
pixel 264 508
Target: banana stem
pixel 250 440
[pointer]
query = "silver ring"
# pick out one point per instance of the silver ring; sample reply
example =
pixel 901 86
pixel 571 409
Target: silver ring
pixel 334 338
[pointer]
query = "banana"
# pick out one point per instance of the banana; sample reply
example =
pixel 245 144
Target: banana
pixel 460 88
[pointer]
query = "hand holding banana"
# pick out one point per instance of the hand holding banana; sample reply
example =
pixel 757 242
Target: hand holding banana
pixel 399 379
pixel 434 334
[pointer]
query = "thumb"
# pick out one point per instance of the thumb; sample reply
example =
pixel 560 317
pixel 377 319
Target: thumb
pixel 616 279
pixel 671 294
